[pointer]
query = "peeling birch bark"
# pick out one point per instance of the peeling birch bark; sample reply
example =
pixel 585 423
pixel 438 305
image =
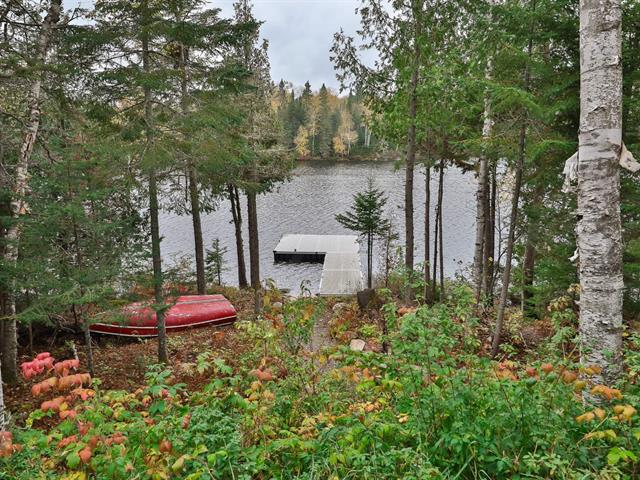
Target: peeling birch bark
pixel 627 161
pixel 570 173
pixel 599 226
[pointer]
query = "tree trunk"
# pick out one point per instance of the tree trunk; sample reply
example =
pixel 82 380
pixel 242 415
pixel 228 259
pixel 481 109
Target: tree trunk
pixel 18 203
pixel 489 241
pixel 481 194
pixel 369 259
pixel 528 267
pixel 529 260
pixel 3 412
pixel 506 276
pixel 441 229
pixel 163 356
pixel 598 230
pixel 254 244
pixel 411 159
pixel 83 319
pixel 194 195
pixel 481 218
pixel 428 298
pixel 254 248
pixel 408 188
pixel 87 343
pixel 236 213
pixel 436 236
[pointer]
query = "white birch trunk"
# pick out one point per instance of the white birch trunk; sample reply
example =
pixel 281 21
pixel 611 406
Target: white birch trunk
pixel 599 226
pixel 18 203
pixel 3 415
pixel 481 200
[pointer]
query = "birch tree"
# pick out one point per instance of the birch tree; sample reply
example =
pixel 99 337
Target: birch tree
pixel 20 187
pixel 598 230
pixel 482 200
pixel 484 227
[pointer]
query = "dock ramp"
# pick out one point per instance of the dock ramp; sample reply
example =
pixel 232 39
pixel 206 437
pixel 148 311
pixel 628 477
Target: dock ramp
pixel 340 255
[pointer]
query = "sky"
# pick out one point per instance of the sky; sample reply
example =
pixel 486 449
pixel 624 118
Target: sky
pixel 300 34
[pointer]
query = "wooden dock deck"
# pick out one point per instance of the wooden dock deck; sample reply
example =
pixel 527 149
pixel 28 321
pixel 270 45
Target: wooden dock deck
pixel 341 274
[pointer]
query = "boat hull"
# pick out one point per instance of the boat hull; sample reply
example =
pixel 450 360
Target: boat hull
pixel 188 311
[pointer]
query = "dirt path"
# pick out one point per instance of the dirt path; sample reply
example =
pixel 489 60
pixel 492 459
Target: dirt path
pixel 321 338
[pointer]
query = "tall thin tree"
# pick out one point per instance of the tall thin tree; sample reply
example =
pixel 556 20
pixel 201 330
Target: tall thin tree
pixel 515 199
pixel 428 298
pixel 154 208
pixel 236 214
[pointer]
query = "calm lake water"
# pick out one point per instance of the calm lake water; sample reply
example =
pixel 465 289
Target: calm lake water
pixel 308 204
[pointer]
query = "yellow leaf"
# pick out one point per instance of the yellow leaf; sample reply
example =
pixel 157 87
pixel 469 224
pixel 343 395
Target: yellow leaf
pixel 179 464
pixel 600 413
pixel 585 417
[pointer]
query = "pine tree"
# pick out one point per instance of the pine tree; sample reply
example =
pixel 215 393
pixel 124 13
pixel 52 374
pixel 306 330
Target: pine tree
pixel 324 123
pixel 136 31
pixel 195 38
pixel 265 162
pixel 215 261
pixel 366 217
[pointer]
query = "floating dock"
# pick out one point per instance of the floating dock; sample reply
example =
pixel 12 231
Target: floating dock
pixel 340 254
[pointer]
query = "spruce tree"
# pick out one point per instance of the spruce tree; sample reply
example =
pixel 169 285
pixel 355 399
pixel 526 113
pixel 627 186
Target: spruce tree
pixel 366 216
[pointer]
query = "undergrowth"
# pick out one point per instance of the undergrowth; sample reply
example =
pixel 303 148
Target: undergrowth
pixel 434 407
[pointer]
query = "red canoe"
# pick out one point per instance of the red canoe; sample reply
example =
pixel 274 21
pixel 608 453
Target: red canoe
pixel 188 311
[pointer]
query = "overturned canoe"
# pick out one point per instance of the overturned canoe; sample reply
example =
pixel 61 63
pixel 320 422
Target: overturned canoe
pixel 188 311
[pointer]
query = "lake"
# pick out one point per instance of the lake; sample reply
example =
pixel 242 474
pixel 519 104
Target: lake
pixel 308 203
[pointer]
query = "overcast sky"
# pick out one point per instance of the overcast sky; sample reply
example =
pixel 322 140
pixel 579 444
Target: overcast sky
pixel 300 34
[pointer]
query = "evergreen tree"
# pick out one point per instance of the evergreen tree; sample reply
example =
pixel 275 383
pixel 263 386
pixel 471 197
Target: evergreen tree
pixel 134 67
pixel 195 38
pixel 324 123
pixel 366 217
pixel 215 261
pixel 265 162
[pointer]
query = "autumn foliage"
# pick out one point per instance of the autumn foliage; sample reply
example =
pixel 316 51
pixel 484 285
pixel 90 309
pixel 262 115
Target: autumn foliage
pixel 434 406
